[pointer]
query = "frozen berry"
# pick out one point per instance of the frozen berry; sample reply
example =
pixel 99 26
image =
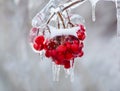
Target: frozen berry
pixel 81 45
pixel 53 53
pixel 75 48
pixel 81 53
pixel 39 40
pixel 66 64
pixel 51 45
pixel 60 56
pixel 37 47
pixel 82 27
pixel 68 56
pixel 81 35
pixel 61 48
pixel 48 53
pixel 68 45
pixel 59 62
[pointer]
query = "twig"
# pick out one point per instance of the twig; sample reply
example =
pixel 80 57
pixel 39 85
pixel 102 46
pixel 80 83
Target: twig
pixel 72 4
pixel 69 21
pixel 59 14
pixel 58 23
pixel 50 18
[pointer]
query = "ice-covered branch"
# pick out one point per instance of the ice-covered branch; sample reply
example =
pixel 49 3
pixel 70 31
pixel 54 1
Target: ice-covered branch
pixel 50 9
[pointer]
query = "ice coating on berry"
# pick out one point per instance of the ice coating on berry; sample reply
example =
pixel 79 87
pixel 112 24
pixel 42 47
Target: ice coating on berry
pixel 39 39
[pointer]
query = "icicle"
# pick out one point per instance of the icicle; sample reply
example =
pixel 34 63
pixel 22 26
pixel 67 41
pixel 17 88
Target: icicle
pixel 56 71
pixel 42 56
pixel 117 2
pixel 93 12
pixel 93 2
pixel 67 72
pixel 70 71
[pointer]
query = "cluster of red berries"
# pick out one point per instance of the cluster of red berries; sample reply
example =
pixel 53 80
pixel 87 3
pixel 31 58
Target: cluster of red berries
pixel 62 49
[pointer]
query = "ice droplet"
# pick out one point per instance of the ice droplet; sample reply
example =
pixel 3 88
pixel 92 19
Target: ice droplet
pixel 56 71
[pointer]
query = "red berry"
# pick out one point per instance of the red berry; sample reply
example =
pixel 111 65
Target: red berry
pixel 66 64
pixel 58 62
pixel 81 53
pixel 53 53
pixel 51 45
pixel 37 47
pixel 82 27
pixel 61 48
pixel 68 45
pixel 60 56
pixel 76 41
pixel 45 46
pixel 81 35
pixel 68 56
pixel 81 45
pixel 48 53
pixel 75 47
pixel 39 40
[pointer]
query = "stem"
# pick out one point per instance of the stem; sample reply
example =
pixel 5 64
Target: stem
pixel 48 21
pixel 72 4
pixel 72 25
pixel 58 23
pixel 48 29
pixel 38 32
pixel 68 16
pixel 69 21
pixel 59 14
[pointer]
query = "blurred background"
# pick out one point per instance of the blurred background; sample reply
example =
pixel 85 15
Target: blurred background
pixel 21 68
